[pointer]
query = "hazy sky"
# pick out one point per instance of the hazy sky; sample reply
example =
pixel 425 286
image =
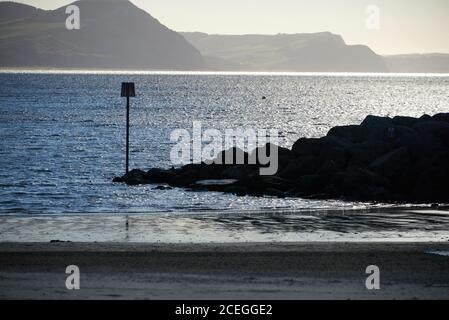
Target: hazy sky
pixel 406 26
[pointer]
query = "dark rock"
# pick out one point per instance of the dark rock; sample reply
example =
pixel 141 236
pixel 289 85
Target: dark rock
pixel 368 151
pixel 360 183
pixel 221 182
pixel 160 176
pixel 350 133
pixel 162 188
pixel 335 142
pixel 441 117
pixel 232 156
pixel 400 131
pixel 390 163
pixel 214 185
pixel 203 171
pixel 432 185
pixel 419 144
pixel 377 128
pixel 439 129
pixel 312 184
pixel 337 156
pixel 184 180
pixel 257 184
pixel 239 172
pixel 425 117
pixel 377 122
pixel 405 121
pixel 298 167
pixel 274 193
pixel 237 190
pixel 383 159
pixel 307 147
pixel 134 177
pixel 262 155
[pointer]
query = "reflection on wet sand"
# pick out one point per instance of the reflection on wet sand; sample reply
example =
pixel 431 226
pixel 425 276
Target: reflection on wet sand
pixel 371 225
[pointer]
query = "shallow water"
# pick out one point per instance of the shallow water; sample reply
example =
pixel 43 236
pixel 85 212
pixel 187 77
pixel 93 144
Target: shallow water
pixel 391 225
pixel 62 135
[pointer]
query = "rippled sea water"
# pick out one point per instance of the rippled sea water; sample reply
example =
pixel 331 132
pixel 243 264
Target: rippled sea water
pixel 62 135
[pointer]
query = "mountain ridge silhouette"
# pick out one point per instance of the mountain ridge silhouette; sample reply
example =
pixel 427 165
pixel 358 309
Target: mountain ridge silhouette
pixel 116 34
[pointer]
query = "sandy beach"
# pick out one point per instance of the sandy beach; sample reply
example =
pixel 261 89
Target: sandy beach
pixel 224 271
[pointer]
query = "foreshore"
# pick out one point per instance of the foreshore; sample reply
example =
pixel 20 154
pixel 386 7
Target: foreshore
pixel 315 270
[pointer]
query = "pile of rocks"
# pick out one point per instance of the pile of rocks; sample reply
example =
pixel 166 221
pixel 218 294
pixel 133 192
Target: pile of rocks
pixel 401 159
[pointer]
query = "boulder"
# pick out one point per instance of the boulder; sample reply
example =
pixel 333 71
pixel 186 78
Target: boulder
pixel 237 190
pixel 134 177
pixel 424 118
pixel 232 156
pixel 272 192
pixel 432 185
pixel 214 185
pixel 441 117
pixel 160 176
pixel 397 132
pixel 350 133
pixel 312 184
pixel 336 156
pixel 376 128
pixel 383 159
pixel 307 147
pixel 420 145
pixel 360 183
pixel 405 121
pixel 377 122
pixel 257 184
pixel 162 188
pixel 368 151
pixel 390 163
pixel 263 154
pixel 298 167
pixel 335 142
pixel 240 172
pixel 265 151
pixel 439 129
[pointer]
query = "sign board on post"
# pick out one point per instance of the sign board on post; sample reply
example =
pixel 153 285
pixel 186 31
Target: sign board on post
pixel 128 91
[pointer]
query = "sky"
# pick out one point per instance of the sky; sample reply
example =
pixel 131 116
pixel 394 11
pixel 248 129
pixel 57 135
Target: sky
pixel 402 26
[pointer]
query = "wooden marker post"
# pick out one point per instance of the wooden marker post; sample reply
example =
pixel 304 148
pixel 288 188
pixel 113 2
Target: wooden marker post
pixel 128 91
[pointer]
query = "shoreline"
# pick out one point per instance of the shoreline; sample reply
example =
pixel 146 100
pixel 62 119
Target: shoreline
pixel 381 224
pixel 237 247
pixel 222 271
pixel 361 207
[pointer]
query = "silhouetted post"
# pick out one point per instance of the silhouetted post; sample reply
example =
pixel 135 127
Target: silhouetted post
pixel 127 91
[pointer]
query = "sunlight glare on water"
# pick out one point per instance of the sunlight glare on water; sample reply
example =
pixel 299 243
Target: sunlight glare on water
pixel 63 134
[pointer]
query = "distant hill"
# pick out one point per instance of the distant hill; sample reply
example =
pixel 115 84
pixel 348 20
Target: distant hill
pixel 319 52
pixel 11 11
pixel 431 63
pixel 113 34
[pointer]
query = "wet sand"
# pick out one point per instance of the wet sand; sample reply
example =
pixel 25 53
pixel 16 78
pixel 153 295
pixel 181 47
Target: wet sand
pixel 224 271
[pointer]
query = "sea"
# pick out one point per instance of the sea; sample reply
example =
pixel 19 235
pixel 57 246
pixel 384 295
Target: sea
pixel 63 135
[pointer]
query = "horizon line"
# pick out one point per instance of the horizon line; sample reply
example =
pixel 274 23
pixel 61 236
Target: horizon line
pixel 222 73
